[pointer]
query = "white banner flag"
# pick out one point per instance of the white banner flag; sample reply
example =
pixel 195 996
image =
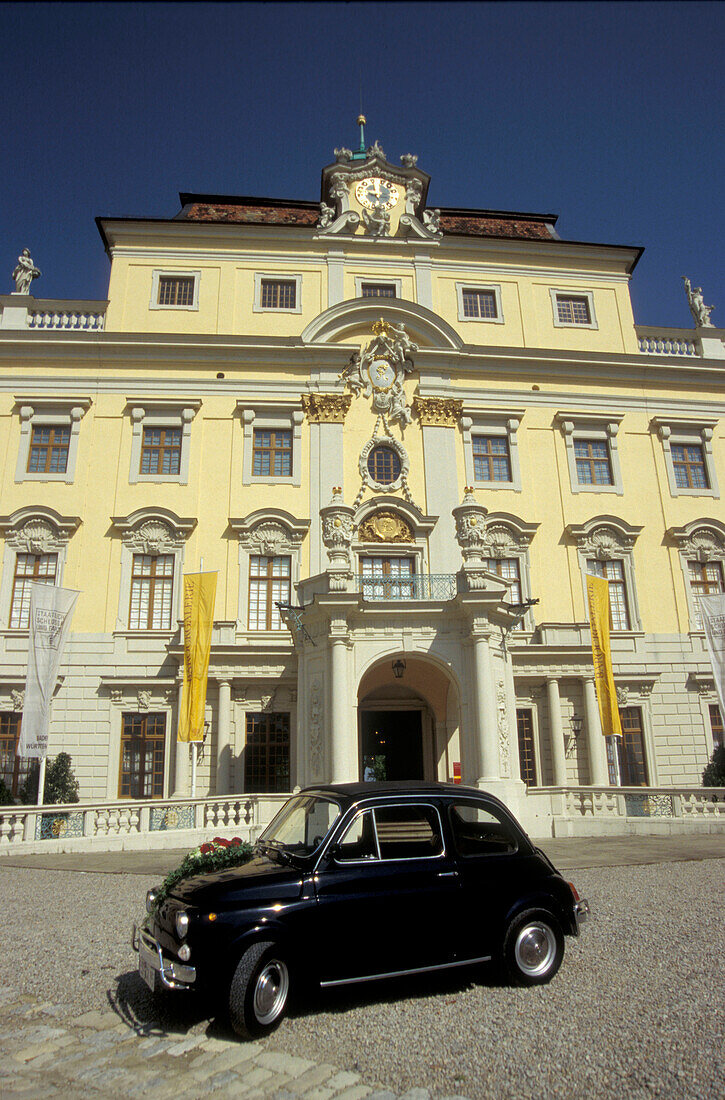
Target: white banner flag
pixel 713 622
pixel 51 610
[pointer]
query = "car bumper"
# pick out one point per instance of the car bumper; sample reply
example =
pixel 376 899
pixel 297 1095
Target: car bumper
pixel 581 912
pixel 157 969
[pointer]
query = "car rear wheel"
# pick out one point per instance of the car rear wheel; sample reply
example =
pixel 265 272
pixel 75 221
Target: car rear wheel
pixel 533 948
pixel 259 991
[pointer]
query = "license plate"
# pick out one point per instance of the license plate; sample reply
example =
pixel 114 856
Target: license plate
pixel 148 973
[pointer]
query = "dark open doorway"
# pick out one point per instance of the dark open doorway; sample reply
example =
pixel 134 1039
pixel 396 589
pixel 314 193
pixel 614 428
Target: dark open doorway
pixel 392 742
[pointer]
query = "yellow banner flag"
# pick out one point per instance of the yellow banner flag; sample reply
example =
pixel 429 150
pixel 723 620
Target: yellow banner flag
pixel 199 594
pixel 598 596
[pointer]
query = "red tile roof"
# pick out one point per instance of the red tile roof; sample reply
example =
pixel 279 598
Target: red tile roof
pixel 250 214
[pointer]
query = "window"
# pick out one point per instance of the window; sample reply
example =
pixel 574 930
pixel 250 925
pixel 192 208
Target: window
pixel 378 290
pixel 592 452
pixel 49 450
pixel 269 584
pixel 479 303
pixel 161 440
pixel 630 749
pixel 688 464
pixel 478 831
pixel 384 578
pixel 613 571
pixel 267 754
pixel 152 585
pixel 143 738
pixel 359 841
pixel 161 451
pixel 527 755
pixel 384 465
pixel 13 768
pixel 280 294
pixel 572 310
pixel 49 434
pixel 688 454
pixel 508 569
pixel 706 579
pixel 716 726
pixel 408 832
pixel 29 568
pixel 272 453
pixel 491 461
pixel 592 462
pixel 175 290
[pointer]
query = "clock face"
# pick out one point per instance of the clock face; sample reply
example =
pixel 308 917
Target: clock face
pixel 377 193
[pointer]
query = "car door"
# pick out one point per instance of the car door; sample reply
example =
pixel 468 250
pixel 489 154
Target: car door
pixel 492 871
pixel 387 895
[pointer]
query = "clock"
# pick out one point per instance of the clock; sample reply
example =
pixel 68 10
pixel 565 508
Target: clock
pixel 376 193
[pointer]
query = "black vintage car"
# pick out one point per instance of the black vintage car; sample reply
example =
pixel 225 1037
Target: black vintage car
pixel 357 882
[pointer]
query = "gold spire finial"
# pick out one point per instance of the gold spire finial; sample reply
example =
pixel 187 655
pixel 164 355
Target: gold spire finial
pixel 361 120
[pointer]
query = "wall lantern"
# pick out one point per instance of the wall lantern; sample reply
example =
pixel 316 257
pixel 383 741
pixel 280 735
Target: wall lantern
pixel 577 724
pixel 398 669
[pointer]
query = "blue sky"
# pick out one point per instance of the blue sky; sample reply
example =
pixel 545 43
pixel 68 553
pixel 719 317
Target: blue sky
pixel 609 114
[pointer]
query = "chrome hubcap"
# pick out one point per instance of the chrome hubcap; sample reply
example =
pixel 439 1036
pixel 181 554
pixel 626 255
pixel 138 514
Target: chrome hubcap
pixel 535 948
pixel 270 991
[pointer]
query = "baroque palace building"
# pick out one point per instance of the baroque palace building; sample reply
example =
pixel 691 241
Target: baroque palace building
pixel 401 436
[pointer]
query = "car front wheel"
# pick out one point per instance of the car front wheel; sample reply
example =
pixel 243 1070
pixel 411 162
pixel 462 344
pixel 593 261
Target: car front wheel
pixel 259 991
pixel 533 948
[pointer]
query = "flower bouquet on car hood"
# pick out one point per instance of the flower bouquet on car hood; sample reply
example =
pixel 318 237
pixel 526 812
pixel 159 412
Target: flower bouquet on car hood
pixel 214 855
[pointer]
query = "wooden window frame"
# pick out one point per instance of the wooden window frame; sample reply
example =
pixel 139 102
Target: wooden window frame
pixel 716 725
pixel 468 288
pixel 686 464
pixel 559 297
pixel 264 279
pixel 704 586
pixel 17 774
pixel 489 458
pixel 49 447
pixel 378 290
pixel 281 445
pixel 176 290
pixel 161 277
pixel 262 779
pixel 591 460
pixel 624 758
pixel 23 578
pixel 157 777
pixel 273 621
pixel 527 759
pixel 165 579
pixel 160 450
pixel 379 451
pixel 600 568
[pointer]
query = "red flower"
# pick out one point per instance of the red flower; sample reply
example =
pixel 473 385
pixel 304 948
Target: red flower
pixel 206 849
pixel 236 841
pixel 220 842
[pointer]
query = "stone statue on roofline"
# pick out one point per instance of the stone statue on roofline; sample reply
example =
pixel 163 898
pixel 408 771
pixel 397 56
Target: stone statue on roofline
pixel 24 273
pixel 696 302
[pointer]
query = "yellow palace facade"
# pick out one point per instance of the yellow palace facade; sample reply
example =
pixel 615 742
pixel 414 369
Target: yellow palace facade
pixel 401 437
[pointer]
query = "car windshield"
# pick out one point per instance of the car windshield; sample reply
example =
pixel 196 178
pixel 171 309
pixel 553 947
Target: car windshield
pixel 301 825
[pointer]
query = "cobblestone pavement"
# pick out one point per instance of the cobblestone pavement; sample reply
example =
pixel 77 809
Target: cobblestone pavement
pixel 45 1053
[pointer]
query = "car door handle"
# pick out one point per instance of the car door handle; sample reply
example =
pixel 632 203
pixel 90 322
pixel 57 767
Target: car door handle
pixel 448 874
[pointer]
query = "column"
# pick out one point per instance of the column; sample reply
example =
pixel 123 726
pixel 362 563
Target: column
pixel 343 743
pixel 224 746
pixel 596 745
pixel 556 732
pixel 181 758
pixel 485 697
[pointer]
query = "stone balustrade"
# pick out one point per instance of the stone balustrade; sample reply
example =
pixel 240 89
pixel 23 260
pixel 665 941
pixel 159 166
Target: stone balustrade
pixel 656 341
pixel 23 311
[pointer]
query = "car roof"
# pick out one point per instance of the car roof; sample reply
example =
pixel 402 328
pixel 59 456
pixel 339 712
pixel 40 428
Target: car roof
pixel 356 792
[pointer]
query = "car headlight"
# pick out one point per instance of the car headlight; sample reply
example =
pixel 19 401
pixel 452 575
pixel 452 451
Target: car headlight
pixel 184 952
pixel 182 923
pixel 150 901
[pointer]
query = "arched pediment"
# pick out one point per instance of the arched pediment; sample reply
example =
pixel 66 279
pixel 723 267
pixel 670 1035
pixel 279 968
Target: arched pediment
pixel 419 525
pixel 348 321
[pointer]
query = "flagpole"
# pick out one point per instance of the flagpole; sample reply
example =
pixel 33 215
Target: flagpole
pixel 41 780
pixel 195 744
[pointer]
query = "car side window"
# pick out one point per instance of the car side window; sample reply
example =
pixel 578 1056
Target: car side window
pixel 408 832
pixel 480 831
pixel 358 842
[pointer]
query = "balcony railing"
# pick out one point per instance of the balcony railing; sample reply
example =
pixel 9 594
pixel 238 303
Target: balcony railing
pixel 423 586
pixel 653 341
pixel 51 314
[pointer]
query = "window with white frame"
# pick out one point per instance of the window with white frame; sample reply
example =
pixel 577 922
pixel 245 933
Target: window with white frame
pixel 605 548
pixel 479 303
pixel 272 445
pixel 377 287
pixel 701 546
pixel 36 545
pixel 490 448
pixel 688 454
pixel 270 542
pixel 592 452
pixel 49 433
pixel 506 550
pixel 151 565
pixel 175 290
pixel 161 439
pixel 269 586
pixel 29 569
pixel 277 293
pixel 573 309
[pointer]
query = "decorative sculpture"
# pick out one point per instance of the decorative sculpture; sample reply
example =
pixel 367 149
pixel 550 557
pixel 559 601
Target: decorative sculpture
pixel 343 155
pixel 409 160
pixel 376 150
pixel 696 302
pixel 337 531
pixel 431 220
pixel 24 272
pixel 376 222
pixel 380 369
pixel 413 193
pixel 327 216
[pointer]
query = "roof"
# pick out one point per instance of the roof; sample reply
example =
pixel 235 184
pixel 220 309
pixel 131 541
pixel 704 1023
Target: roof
pixel 355 791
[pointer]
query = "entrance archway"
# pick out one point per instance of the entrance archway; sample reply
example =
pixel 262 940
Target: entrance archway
pixel 404 724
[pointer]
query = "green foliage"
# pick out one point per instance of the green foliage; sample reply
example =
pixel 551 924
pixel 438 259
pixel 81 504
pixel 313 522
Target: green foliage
pixel 6 799
pixel 217 855
pixel 379 769
pixel 60 783
pixel 714 773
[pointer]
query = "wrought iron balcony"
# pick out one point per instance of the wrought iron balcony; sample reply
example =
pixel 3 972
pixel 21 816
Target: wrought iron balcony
pixel 422 586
